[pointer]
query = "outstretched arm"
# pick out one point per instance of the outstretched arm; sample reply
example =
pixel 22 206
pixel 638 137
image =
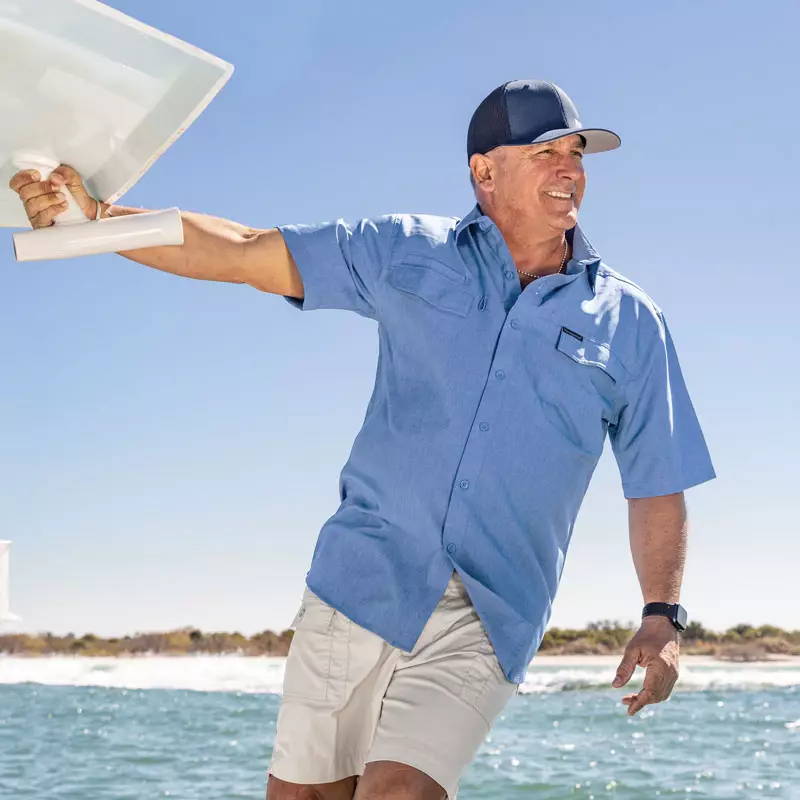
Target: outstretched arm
pixel 214 248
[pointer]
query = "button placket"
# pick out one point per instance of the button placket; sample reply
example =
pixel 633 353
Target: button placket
pixel 460 507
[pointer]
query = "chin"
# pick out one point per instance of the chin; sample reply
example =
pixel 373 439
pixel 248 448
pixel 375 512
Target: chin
pixel 565 221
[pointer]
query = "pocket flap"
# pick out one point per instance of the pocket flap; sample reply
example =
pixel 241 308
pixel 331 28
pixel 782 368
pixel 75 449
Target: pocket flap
pixel 431 287
pixel 446 270
pixel 588 352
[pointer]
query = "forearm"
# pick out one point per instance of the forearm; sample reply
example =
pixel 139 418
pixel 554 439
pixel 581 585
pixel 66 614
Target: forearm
pixel 213 248
pixel 658 532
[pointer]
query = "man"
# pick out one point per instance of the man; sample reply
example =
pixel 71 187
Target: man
pixel 508 350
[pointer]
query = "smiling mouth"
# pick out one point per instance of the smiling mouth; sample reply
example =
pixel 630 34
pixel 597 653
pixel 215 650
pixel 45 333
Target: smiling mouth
pixel 560 195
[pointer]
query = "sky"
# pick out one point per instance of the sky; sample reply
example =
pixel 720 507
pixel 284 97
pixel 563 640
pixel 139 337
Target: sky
pixel 170 448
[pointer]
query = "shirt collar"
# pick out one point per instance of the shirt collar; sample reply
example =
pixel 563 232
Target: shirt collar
pixel 583 253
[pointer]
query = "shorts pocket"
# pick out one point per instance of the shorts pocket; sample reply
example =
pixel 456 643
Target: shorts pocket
pixel 308 664
pixel 485 686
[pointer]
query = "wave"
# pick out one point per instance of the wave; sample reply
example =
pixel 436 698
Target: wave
pixel 692 678
pixel 199 673
pixel 262 674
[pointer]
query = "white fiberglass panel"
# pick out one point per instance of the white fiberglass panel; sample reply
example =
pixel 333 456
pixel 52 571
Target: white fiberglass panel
pixel 84 84
pixel 5 613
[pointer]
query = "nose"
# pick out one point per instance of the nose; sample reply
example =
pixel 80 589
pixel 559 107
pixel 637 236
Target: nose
pixel 569 167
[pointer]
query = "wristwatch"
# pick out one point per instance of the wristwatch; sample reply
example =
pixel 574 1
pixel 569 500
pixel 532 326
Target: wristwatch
pixel 675 611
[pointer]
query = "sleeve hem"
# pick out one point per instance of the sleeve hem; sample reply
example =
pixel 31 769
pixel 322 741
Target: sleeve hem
pixel 304 263
pixel 633 491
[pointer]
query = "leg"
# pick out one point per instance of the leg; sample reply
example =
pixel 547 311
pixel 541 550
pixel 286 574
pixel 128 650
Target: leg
pixel 439 706
pixel 337 790
pixel 391 780
pixel 336 676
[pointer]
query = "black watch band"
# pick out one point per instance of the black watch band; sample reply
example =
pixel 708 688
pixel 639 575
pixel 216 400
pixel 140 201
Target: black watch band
pixel 675 611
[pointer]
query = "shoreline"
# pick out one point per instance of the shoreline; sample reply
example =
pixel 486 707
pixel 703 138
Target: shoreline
pixel 542 659
pixel 694 658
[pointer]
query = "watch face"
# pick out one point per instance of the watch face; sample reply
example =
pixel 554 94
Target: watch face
pixel 680 617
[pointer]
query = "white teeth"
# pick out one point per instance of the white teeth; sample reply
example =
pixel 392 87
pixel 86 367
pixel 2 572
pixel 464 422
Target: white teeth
pixel 559 195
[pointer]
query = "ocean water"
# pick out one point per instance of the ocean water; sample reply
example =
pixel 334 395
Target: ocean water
pixel 153 727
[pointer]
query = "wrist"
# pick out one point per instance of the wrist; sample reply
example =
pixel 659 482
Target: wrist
pixel 656 620
pixel 671 613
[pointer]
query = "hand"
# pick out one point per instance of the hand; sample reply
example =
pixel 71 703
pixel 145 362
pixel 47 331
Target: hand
pixel 655 646
pixel 42 199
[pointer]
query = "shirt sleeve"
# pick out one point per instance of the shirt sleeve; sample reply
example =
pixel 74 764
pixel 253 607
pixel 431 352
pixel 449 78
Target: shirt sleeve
pixel 341 265
pixel 657 440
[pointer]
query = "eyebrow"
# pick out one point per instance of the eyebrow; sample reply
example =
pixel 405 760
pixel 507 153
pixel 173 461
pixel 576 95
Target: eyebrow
pixel 579 144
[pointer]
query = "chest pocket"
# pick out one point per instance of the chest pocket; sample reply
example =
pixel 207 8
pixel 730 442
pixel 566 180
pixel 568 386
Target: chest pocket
pixel 588 353
pixel 596 370
pixel 434 283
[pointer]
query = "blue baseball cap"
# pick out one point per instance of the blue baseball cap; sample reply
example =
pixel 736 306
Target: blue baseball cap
pixel 529 112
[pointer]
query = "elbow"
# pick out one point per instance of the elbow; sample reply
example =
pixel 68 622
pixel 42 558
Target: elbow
pixel 267 264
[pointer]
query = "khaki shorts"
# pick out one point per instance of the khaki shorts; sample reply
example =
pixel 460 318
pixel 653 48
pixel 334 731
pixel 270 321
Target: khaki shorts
pixel 350 698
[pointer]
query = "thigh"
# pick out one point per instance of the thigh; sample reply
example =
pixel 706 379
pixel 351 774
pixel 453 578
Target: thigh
pixel 443 697
pixel 391 779
pixel 336 790
pixel 336 674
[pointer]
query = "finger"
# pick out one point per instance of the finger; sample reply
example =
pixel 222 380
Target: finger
pixel 66 174
pixel 39 206
pixel 644 697
pixel 45 218
pixel 36 189
pixel 655 679
pixel 23 178
pixel 673 679
pixel 626 668
pixel 669 683
pixel 42 202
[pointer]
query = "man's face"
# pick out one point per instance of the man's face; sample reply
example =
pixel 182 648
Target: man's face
pixel 543 183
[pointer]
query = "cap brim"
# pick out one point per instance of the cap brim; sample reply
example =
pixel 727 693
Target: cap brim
pixel 598 140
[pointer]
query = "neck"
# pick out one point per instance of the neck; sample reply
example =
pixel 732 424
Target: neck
pixel 533 250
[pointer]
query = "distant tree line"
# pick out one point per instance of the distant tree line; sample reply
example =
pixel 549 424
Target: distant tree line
pixel 742 642
pixel 183 641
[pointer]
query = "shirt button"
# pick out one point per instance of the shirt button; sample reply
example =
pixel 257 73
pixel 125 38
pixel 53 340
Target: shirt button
pixel 464 484
pixel 509 274
pixel 500 374
pixel 451 548
pixel 515 323
pixel 484 426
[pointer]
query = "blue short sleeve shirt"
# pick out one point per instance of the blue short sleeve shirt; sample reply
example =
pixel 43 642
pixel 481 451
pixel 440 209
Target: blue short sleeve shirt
pixel 489 413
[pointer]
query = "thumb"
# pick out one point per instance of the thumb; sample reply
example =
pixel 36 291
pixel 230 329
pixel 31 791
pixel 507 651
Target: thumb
pixel 625 669
pixel 74 184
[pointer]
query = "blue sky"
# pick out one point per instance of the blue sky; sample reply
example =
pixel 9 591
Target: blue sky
pixel 170 448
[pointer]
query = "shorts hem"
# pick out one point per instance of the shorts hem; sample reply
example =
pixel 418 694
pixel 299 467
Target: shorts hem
pixel 285 772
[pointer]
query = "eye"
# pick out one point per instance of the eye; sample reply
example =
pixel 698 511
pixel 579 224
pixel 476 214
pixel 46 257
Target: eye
pixel 578 153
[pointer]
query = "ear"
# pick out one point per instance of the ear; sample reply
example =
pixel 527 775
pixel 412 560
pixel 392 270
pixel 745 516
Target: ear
pixel 483 172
